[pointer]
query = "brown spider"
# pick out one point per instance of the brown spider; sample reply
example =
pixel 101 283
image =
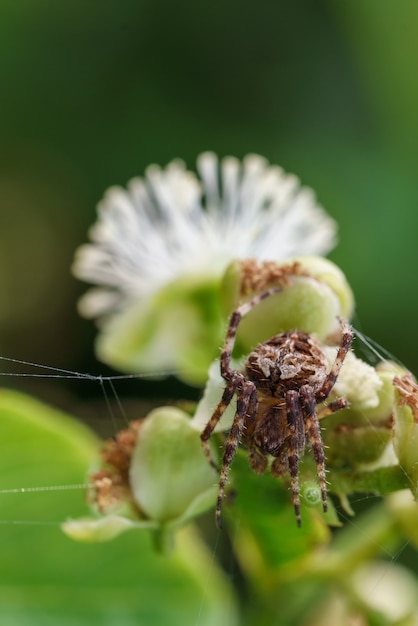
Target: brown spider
pixel 284 380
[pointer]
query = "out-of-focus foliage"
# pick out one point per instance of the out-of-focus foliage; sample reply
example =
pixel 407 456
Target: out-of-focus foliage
pixel 92 94
pixel 45 578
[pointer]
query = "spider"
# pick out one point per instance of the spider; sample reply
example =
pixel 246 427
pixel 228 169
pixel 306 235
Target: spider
pixel 284 380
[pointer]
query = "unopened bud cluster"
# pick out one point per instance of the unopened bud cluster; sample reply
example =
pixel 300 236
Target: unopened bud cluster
pixel 155 474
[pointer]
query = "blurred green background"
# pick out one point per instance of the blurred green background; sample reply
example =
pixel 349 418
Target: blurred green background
pixel 94 92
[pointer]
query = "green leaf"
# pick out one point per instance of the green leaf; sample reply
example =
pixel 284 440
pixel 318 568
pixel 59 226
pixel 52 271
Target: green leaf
pixel 266 534
pixel 47 579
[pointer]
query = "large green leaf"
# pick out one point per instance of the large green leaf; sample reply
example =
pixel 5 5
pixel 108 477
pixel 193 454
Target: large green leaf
pixel 45 578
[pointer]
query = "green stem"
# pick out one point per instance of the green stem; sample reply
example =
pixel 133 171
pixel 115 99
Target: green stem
pixel 163 540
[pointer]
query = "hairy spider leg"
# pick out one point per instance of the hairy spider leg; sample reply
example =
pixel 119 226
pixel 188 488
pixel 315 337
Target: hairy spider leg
pixel 331 407
pixel 295 444
pixel 313 432
pixel 235 384
pixel 329 382
pixel 309 401
pixel 231 333
pixel 227 396
pixel 246 398
pixel 247 403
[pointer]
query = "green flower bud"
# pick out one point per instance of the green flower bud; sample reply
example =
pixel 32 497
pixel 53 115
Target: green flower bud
pixel 327 272
pixel 405 427
pixel 360 436
pixel 315 294
pixel 404 510
pixel 154 476
pixel 357 447
pixel 386 372
pixel 169 475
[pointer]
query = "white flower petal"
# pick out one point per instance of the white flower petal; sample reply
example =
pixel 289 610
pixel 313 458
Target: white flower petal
pixel 98 302
pixel 170 223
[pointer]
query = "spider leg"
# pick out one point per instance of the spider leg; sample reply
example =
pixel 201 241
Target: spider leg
pixel 332 407
pixel 231 333
pixel 233 379
pixel 294 447
pixel 330 380
pixel 308 402
pixel 247 398
pixel 227 396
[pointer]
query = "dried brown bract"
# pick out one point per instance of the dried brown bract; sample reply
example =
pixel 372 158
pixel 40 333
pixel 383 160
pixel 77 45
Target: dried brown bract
pixel 408 390
pixel 258 276
pixel 110 485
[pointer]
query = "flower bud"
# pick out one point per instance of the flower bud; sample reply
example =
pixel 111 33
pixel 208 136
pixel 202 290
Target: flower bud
pixel 315 293
pixel 170 476
pixel 154 476
pixel 360 436
pixel 405 427
pixel 327 272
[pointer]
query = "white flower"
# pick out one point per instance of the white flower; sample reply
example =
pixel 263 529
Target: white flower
pixel 160 248
pixel 170 224
pixel 358 382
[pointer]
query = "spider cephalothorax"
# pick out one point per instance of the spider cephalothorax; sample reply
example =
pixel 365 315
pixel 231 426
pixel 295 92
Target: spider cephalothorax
pixel 287 361
pixel 284 380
